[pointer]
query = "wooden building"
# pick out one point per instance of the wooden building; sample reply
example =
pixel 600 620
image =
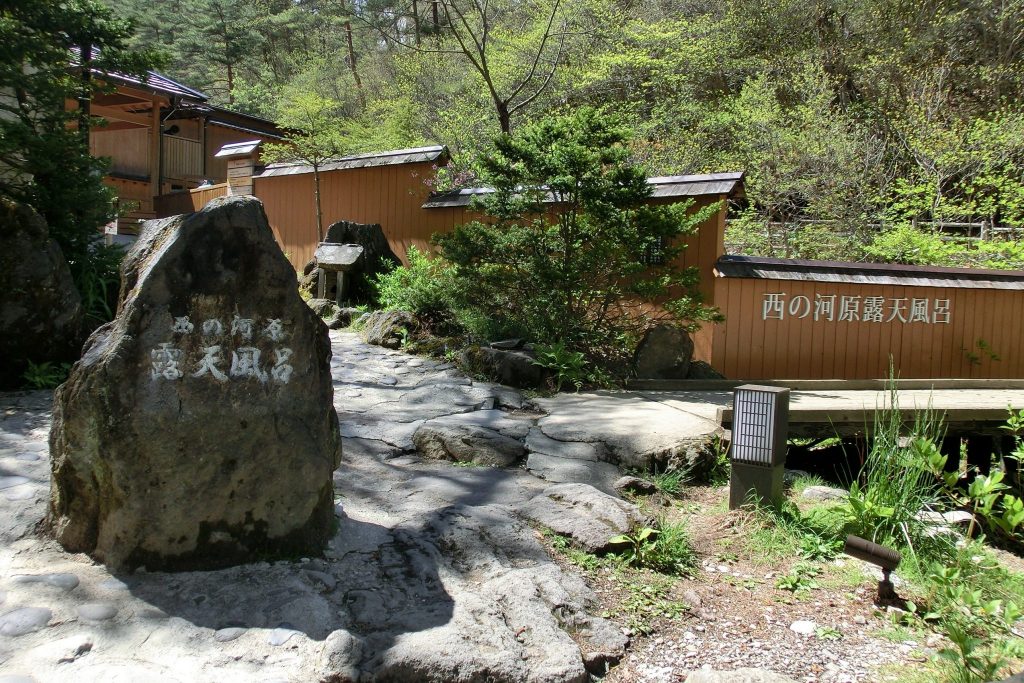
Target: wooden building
pixel 785 319
pixel 792 319
pixel 394 189
pixel 162 138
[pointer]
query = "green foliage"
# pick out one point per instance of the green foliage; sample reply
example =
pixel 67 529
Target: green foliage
pixel 567 367
pixel 818 549
pixel 649 599
pixel 897 481
pixel 45 375
pixel 721 468
pixel 575 278
pixel 98 278
pixel 580 558
pixel 828 633
pixel 315 134
pixel 987 497
pixel 980 628
pixel 671 481
pixel 667 549
pixel 424 288
pixel 44 160
pixel 800 579
pixel 907 244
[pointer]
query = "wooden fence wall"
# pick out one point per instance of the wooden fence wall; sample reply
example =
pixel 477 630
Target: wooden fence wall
pixel 188 201
pixel 393 196
pixel 956 331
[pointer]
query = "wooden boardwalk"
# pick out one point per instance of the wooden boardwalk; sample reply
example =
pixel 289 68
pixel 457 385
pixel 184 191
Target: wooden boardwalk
pixel 830 412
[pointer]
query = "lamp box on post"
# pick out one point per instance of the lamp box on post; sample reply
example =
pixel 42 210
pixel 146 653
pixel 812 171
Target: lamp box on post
pixel 760 429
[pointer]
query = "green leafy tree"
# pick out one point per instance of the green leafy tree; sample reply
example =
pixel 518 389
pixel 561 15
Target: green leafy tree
pixel 573 253
pixel 316 135
pixel 44 159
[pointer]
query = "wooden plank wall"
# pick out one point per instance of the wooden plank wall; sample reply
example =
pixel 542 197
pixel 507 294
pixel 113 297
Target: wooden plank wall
pixel 393 196
pixel 128 149
pixel 748 347
pixel 216 137
pixel 134 195
pixel 389 195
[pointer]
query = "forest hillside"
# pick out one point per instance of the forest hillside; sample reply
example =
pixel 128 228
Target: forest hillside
pixel 887 130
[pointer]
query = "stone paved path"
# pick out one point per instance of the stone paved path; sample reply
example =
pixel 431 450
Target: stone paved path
pixel 430 576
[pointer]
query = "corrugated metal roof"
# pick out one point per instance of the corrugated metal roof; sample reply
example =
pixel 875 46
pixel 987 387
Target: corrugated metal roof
pixel 662 186
pixel 867 273
pixel 238 148
pixel 154 81
pixel 698 185
pixel 398 156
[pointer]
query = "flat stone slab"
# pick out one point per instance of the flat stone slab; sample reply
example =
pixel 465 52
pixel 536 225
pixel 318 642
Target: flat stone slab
pixel 582 513
pixel 97 611
pixel 446 439
pixel 600 475
pixel 637 431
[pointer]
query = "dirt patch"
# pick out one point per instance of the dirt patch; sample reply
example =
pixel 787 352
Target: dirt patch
pixel 731 614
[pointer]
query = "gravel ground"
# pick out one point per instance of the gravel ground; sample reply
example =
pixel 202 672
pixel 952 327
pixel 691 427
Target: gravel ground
pixel 730 614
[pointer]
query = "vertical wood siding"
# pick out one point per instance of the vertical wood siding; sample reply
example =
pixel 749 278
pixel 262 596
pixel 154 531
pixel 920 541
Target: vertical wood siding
pixel 393 196
pixel 746 346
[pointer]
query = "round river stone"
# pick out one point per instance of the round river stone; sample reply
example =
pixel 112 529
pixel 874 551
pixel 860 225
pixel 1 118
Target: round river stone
pixel 24 620
pixel 96 611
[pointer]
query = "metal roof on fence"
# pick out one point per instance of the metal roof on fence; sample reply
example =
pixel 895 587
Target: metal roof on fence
pixel 389 158
pixel 867 273
pixel 700 185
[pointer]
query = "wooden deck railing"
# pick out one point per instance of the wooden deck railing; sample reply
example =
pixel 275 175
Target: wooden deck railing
pixel 187 202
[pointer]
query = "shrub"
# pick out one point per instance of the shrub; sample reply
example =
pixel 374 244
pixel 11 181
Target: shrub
pixel 575 276
pixel 666 549
pixel 896 482
pixel 567 367
pixel 424 288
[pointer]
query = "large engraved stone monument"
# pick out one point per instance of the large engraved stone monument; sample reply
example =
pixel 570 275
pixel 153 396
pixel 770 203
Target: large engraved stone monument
pixel 198 430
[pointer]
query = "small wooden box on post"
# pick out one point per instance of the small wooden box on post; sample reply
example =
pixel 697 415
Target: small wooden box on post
pixel 241 159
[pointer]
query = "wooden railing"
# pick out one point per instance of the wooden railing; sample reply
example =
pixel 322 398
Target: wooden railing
pixel 182 158
pixel 188 201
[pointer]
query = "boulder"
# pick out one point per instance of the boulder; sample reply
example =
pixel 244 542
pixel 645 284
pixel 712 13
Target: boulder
pixel 325 308
pixel 40 310
pixel 635 485
pixel 342 317
pixel 461 441
pixel 389 329
pixel 584 514
pixel 824 493
pixel 664 353
pixel 701 370
pixel 511 367
pixel 198 429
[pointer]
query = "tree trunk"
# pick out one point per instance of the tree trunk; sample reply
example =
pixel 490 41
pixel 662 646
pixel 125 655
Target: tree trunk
pixel 352 54
pixel 85 96
pixel 231 83
pixel 316 196
pixel 504 118
pixel 416 20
